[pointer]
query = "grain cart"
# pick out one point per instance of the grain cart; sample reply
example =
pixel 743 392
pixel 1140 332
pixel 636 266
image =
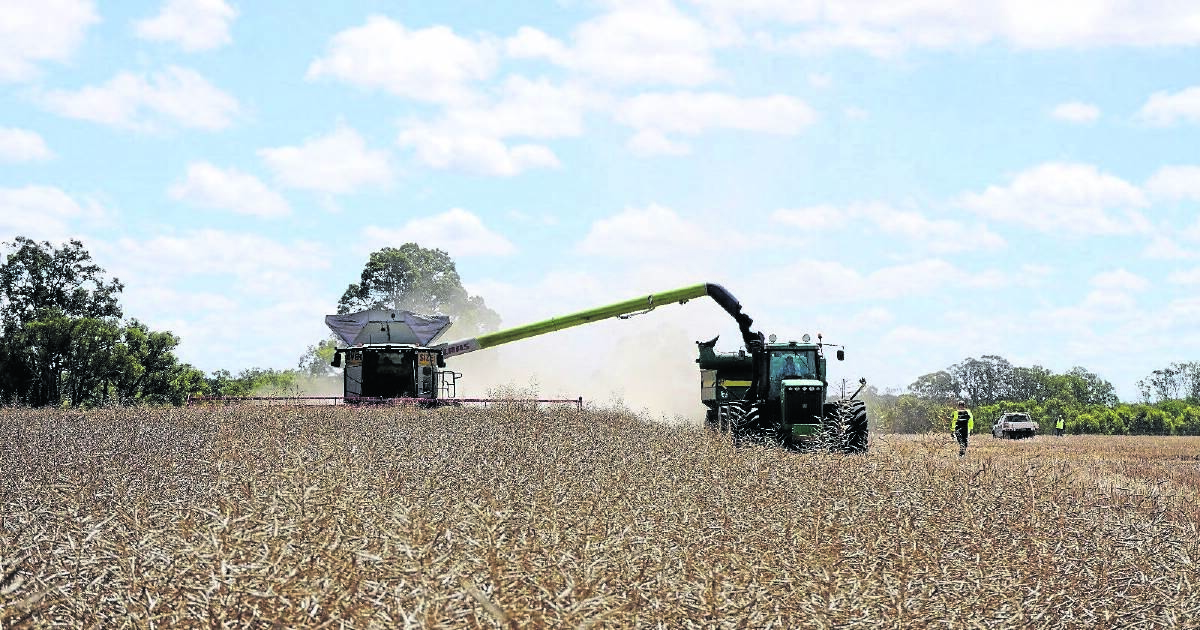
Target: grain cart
pixel 769 391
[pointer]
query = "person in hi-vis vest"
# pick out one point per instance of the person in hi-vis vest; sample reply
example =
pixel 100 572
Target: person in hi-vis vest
pixel 962 423
pixel 1060 426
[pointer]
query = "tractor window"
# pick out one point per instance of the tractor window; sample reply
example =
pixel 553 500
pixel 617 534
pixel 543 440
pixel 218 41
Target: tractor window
pixel 789 365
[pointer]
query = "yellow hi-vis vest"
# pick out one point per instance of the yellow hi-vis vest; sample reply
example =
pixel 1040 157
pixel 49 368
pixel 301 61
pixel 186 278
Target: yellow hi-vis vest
pixel 1062 423
pixel 959 414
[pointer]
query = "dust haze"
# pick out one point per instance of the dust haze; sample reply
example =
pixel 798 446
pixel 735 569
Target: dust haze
pixel 648 367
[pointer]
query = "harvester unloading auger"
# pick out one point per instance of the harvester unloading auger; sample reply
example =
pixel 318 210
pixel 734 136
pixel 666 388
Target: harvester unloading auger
pixel 768 391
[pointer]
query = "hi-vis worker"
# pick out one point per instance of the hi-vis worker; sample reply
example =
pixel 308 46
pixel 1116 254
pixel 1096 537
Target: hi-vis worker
pixel 1059 426
pixel 962 423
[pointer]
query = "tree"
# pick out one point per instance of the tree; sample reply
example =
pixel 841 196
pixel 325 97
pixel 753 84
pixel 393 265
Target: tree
pixel 62 341
pixel 1083 387
pixel 421 280
pixel 1030 383
pixel 937 386
pixel 1177 381
pixel 985 380
pixel 316 361
pixel 36 278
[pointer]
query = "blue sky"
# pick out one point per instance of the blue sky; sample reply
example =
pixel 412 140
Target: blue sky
pixel 921 180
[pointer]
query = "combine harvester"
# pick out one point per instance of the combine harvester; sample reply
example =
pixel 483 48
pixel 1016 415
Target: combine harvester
pixel 769 391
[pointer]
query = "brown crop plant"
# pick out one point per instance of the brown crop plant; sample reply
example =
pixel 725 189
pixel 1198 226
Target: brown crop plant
pixel 517 516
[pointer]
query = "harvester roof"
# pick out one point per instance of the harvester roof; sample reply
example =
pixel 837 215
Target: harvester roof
pixel 383 326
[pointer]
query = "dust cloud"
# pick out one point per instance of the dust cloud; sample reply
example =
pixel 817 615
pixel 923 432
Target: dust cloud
pixel 648 367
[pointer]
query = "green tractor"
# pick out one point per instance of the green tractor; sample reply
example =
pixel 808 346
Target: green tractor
pixel 778 393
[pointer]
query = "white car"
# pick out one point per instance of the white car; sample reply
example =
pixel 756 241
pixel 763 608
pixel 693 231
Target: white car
pixel 1014 426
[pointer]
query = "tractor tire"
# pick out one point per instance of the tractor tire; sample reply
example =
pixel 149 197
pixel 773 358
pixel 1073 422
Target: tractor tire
pixel 846 427
pixel 710 421
pixel 739 418
pixel 856 428
pixel 729 417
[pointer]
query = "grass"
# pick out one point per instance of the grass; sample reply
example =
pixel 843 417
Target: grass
pixel 523 517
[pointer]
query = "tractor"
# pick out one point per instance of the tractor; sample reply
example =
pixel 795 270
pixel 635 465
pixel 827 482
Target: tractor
pixel 777 392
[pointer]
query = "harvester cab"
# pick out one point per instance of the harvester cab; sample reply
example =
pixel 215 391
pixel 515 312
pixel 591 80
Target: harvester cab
pixel 387 355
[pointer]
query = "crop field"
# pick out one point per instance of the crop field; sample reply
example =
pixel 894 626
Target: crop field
pixel 513 516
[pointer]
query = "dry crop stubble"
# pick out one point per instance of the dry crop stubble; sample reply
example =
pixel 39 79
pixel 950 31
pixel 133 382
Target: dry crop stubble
pixel 515 516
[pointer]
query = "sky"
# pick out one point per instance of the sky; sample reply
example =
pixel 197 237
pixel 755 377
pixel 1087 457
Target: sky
pixel 921 181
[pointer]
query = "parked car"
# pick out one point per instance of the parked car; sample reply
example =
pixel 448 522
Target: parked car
pixel 1014 426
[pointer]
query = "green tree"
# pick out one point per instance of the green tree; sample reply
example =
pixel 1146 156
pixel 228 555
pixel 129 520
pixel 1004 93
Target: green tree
pixel 1030 383
pixel 937 386
pixel 36 278
pixel 984 381
pixel 316 361
pixel 62 341
pixel 422 280
pixel 1177 381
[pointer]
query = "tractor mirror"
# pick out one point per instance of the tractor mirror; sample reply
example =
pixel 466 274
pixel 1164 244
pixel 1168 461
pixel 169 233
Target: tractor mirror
pixel 841 355
pixel 337 360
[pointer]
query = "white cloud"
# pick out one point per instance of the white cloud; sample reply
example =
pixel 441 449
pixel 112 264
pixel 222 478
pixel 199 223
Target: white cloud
pixel 1164 109
pixel 457 231
pixel 47 30
pixel 913 228
pixel 649 42
pixel 855 113
pixel 820 80
pixel 1165 248
pixel 22 145
pixel 531 43
pixel 338 162
pixel 44 212
pixel 693 113
pixel 526 108
pixel 817 218
pixel 473 152
pixel 177 96
pixel 936 235
pixel 261 266
pixel 1188 277
pixel 208 185
pixel 830 281
pixel 1175 182
pixel 1076 112
pixel 651 232
pixel 889 27
pixel 633 43
pixel 471 137
pixel 1064 198
pixel 648 142
pixel 1119 280
pixel 193 24
pixel 432 64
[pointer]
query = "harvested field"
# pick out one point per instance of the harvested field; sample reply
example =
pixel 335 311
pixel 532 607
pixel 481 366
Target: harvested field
pixel 520 517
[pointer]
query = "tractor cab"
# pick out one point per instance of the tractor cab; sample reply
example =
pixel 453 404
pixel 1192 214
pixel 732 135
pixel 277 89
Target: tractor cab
pixel 794 379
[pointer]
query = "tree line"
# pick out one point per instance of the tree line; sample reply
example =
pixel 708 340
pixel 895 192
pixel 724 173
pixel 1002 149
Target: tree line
pixel 1087 403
